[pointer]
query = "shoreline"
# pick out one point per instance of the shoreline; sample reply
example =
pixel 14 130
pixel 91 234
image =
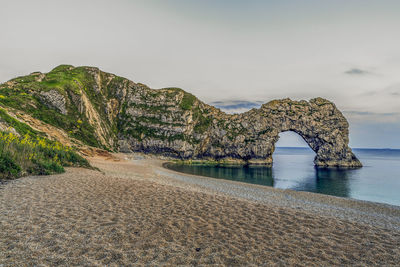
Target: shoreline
pixel 135 212
pixel 363 211
pixel 263 186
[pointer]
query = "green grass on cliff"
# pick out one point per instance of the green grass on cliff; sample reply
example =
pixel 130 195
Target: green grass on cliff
pixel 68 81
pixel 21 128
pixel 31 105
pixel 187 101
pixel 202 122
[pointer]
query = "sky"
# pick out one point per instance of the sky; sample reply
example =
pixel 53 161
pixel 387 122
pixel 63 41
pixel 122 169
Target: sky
pixel 233 54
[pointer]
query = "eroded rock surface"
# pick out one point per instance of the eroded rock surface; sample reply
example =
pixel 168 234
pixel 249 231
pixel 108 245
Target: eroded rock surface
pixel 54 100
pixel 102 109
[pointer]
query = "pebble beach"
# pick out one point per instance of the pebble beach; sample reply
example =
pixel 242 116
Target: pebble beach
pixel 133 212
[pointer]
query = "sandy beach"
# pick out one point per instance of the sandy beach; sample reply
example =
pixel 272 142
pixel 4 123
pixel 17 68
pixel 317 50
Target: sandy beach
pixel 133 212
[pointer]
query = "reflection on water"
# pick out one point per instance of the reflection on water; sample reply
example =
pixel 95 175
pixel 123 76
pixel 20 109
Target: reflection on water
pixel 332 182
pixel 378 180
pixel 252 175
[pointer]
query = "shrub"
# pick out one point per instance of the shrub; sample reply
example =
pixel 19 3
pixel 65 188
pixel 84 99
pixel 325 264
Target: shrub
pixel 34 155
pixel 8 168
pixel 45 167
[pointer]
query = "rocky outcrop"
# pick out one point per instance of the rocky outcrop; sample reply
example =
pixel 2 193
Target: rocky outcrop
pixel 317 121
pixel 126 116
pixel 54 100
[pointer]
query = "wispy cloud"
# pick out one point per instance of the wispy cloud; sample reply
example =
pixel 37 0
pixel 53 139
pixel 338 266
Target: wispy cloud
pixel 391 90
pixel 367 116
pixel 367 113
pixel 357 71
pixel 237 104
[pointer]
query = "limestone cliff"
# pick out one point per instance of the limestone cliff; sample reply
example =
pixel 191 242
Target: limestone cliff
pixel 104 110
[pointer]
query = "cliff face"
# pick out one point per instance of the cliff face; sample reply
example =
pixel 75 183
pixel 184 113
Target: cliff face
pixel 100 109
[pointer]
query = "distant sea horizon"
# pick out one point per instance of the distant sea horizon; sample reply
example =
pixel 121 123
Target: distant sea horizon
pixel 383 148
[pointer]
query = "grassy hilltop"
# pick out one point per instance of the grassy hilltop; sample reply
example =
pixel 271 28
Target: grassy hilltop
pixel 26 93
pixel 80 107
pixel 90 105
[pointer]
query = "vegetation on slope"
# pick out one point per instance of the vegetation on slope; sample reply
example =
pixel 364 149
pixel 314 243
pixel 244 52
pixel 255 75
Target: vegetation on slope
pixel 19 127
pixel 26 151
pixel 187 101
pixel 24 155
pixel 23 93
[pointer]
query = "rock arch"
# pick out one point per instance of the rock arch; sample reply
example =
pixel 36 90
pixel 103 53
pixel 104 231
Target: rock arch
pixel 321 125
pixel 328 154
pixel 318 122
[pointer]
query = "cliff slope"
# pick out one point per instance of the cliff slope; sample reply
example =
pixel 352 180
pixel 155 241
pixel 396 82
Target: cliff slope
pixel 84 106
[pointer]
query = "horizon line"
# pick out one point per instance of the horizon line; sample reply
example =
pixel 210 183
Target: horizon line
pixel 380 148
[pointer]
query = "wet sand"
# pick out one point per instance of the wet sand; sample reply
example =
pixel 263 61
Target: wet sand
pixel 134 212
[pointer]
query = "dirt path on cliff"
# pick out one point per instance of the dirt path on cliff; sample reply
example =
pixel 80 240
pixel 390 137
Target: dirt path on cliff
pixel 131 213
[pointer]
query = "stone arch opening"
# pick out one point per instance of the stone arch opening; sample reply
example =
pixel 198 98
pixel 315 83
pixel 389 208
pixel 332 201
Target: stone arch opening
pixel 330 149
pixel 291 143
pixel 291 139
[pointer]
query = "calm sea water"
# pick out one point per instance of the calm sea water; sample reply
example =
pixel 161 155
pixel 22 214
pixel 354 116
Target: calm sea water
pixel 378 180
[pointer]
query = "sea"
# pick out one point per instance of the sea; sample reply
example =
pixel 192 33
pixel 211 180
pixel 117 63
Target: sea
pixel 293 168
